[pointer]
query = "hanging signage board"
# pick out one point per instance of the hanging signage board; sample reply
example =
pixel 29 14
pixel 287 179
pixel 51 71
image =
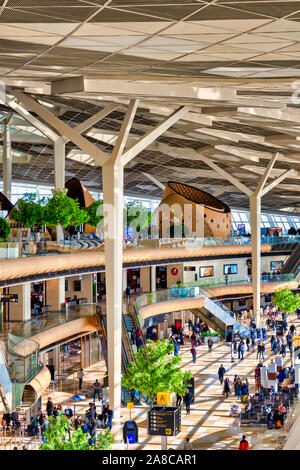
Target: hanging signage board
pixel 9 298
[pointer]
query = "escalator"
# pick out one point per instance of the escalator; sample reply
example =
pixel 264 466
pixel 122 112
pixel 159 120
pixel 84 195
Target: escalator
pixel 217 317
pixel 127 349
pixel 292 265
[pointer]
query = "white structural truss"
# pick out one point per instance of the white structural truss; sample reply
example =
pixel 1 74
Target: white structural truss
pixel 112 176
pixel 255 215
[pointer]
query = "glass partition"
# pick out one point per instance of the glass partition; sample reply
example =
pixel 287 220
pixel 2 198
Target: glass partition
pixel 23 355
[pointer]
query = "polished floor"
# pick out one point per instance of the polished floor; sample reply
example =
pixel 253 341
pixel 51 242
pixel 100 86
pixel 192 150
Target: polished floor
pixel 209 426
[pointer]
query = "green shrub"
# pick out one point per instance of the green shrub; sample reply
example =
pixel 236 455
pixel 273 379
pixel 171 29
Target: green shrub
pixel 4 229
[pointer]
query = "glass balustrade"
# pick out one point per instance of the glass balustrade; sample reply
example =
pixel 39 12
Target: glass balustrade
pixel 14 250
pixel 23 351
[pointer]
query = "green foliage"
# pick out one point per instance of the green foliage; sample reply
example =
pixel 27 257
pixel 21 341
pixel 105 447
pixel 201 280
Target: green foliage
pixel 104 441
pixel 286 301
pixel 56 436
pixel 211 333
pixel 156 369
pixel 30 211
pixel 63 210
pixel 137 216
pixel 4 229
pixel 79 216
pixel 56 433
pixel 95 213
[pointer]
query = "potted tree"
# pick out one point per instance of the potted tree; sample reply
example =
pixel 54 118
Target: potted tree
pixel 286 300
pixel 29 212
pixel 155 370
pixel 63 211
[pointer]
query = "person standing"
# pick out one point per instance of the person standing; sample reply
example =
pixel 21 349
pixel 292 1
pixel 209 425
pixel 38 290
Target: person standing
pixel 110 414
pixel 80 375
pixel 210 344
pixel 49 407
pixel 244 444
pixel 221 373
pixel 127 291
pixel 97 388
pixel 187 445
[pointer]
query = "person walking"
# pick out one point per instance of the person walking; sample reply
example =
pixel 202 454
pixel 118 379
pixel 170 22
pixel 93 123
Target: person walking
pixel 194 354
pixel 262 349
pixel 187 399
pixel 139 343
pixel 242 350
pixel 178 399
pixel 97 388
pixel 80 375
pixel 226 390
pixel 221 373
pixel 210 344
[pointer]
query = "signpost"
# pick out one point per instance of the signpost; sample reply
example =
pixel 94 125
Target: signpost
pixel 164 422
pixel 163 398
pixel 130 407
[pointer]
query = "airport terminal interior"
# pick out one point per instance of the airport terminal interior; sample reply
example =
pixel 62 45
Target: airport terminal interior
pixel 149 225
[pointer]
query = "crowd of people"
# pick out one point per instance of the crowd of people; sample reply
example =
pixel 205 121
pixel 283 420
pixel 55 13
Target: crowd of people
pixel 267 405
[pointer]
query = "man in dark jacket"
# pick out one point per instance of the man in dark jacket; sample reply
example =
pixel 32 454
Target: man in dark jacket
pixel 221 373
pixel 187 400
pixel 49 407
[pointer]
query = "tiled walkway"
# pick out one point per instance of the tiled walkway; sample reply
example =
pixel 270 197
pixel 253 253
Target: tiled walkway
pixel 209 426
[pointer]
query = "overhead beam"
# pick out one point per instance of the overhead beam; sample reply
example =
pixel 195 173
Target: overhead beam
pixel 278 180
pixel 62 128
pixel 266 175
pixel 30 118
pixel 91 121
pixel 152 135
pixel 138 89
pixel 227 176
pixel 117 153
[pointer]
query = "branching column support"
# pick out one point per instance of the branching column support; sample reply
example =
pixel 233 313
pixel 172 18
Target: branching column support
pixel 255 216
pixel 112 175
pixel 7 157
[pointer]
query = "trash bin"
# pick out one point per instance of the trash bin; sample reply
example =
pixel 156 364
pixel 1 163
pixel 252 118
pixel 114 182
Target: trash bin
pixel 130 432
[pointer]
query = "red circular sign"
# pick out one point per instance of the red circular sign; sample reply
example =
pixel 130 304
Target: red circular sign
pixel 174 271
